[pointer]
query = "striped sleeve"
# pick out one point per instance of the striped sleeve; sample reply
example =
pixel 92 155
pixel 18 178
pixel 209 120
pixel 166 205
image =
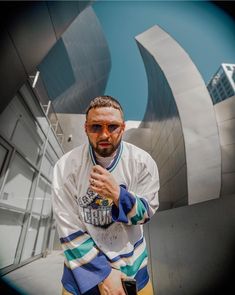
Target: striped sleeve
pixel 85 265
pixel 138 207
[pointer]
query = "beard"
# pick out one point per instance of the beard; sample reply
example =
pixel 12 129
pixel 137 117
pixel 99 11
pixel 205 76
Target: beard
pixel 105 151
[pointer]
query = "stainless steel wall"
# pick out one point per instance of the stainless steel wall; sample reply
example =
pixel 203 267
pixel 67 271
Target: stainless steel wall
pixel 192 249
pixel 185 141
pixel 73 128
pixel 140 137
pixel 77 68
pixel 225 115
pixel 28 30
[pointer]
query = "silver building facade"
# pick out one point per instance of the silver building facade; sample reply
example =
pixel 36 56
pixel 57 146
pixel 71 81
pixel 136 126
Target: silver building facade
pixel 187 153
pixel 29 149
pixel 191 238
pixel 36 35
pixel 76 69
pixel 222 84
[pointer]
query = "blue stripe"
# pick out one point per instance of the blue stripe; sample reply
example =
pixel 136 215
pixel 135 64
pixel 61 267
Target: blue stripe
pixel 128 254
pixel 142 278
pixel 116 159
pixel 87 276
pixel 126 203
pixel 72 237
pixel 69 282
pixel 92 155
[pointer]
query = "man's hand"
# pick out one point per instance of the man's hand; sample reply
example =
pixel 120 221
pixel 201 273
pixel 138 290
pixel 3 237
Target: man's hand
pixel 103 183
pixel 112 285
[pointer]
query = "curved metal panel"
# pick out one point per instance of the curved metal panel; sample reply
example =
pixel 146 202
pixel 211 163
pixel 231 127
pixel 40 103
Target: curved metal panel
pixel 76 69
pixel 185 141
pixel 28 31
pixel 62 13
pixel 225 115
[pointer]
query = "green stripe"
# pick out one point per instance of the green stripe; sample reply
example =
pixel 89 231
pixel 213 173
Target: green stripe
pixel 119 156
pixel 91 154
pixel 131 270
pixel 79 252
pixel 139 211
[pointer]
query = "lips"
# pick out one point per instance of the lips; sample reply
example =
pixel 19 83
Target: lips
pixel 104 144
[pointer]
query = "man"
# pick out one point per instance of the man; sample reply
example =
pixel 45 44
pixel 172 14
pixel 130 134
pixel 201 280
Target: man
pixel 104 192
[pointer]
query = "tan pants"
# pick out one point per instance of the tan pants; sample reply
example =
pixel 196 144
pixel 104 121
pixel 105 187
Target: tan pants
pixel 147 290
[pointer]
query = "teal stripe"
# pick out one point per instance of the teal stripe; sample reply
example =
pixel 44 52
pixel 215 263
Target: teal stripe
pixel 91 154
pixel 131 270
pixel 140 211
pixel 119 156
pixel 83 249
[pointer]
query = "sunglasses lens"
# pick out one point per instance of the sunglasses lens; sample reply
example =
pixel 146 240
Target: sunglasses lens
pixel 113 128
pixel 96 128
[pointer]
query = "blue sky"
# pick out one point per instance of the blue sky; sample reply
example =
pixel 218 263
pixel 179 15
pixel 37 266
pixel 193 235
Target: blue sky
pixel 201 28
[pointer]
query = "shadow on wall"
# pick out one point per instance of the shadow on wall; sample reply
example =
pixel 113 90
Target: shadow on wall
pixel 8 288
pixel 225 283
pixel 192 248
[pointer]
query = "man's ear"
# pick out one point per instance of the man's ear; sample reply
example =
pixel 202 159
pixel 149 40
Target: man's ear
pixel 85 126
pixel 124 126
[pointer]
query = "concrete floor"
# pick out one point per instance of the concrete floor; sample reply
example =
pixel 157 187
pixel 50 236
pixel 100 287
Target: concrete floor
pixel 40 277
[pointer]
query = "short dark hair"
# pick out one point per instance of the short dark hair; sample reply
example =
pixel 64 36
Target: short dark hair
pixel 104 101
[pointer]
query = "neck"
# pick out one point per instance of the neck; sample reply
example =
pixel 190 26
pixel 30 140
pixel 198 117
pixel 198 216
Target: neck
pixel 105 161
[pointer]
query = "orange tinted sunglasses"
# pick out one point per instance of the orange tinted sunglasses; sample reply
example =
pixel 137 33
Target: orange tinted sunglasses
pixel 99 128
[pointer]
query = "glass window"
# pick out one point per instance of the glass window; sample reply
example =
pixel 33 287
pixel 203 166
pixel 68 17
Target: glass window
pixel 214 92
pixel 49 162
pixel 221 91
pixel 3 154
pixel 219 87
pixel 27 139
pixel 30 100
pixel 43 230
pixel 19 126
pixel 18 184
pixel 8 119
pixel 228 68
pixel 39 196
pixel 216 96
pixel 47 165
pixel 45 221
pixel 230 92
pixel 47 202
pixel 11 223
pixel 28 250
pixel 233 77
pixel 220 72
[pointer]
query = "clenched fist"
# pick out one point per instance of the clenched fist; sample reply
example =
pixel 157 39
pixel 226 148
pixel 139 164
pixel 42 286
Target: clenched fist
pixel 103 183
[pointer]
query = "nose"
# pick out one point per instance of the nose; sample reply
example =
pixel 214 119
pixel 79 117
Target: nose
pixel 105 133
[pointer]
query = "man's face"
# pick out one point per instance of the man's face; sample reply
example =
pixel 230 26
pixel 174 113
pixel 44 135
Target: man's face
pixel 104 127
